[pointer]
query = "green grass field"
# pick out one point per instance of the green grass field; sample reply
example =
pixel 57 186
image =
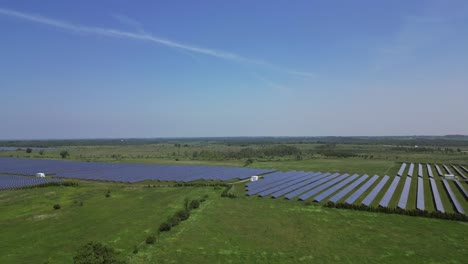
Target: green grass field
pixel 32 231
pixel 223 230
pixel 252 230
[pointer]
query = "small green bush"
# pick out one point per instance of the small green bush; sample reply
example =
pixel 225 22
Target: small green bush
pixel 164 227
pixel 150 240
pixel 56 206
pixel 194 204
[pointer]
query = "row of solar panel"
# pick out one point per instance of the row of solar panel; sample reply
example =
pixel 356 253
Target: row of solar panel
pixel 429 170
pixel 321 186
pixel 14 182
pixel 124 172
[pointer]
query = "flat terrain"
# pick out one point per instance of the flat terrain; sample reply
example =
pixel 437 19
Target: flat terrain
pixel 237 230
pixel 32 231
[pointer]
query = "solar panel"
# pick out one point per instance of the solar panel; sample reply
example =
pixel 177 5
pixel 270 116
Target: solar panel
pixel 388 195
pixel 420 170
pixel 429 170
pixel 435 194
pixel 15 182
pixel 453 198
pixel 348 189
pixel 124 172
pixel 315 177
pixel 402 169
pixel 287 176
pixel 404 194
pixel 462 189
pixel 439 171
pixel 464 168
pixel 371 196
pixel 420 197
pixel 447 169
pixel 285 185
pixel 307 187
pixel 275 176
pixel 351 199
pixel 334 188
pixel 322 187
pixel 411 170
pixel 459 172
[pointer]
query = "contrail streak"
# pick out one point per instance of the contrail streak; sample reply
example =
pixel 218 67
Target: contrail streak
pixel 115 33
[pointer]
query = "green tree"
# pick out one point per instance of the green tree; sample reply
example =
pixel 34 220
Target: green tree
pixel 96 253
pixel 28 150
pixel 64 154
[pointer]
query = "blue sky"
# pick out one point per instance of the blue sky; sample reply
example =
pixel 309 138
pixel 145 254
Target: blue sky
pixel 98 69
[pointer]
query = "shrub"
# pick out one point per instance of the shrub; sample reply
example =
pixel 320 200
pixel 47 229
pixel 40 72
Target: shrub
pixel 64 154
pixel 183 215
pixel 150 240
pixel 108 194
pixel 194 204
pixel 94 253
pixel 135 250
pixel 28 150
pixel 56 206
pixel 165 227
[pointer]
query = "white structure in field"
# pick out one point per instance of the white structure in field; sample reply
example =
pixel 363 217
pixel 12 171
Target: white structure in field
pixel 254 178
pixel 449 177
pixel 40 174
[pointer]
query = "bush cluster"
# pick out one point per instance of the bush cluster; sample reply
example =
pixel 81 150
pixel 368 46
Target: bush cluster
pixel 49 184
pixel 227 192
pixel 180 215
pixel 413 212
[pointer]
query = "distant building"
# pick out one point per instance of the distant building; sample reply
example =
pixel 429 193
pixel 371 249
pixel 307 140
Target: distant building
pixel 40 174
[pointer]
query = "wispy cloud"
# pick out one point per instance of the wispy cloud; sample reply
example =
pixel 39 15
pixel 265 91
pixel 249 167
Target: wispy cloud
pixel 141 35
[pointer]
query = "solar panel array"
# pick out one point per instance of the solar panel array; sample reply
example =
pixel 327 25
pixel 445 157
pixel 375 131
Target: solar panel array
pixel 348 189
pixel 371 196
pixel 307 187
pixel 439 171
pixel 462 189
pixel 322 187
pixel 14 182
pixel 389 194
pixel 125 172
pixel 429 171
pixel 453 198
pixel 447 169
pixel 404 194
pixel 464 168
pixel 353 197
pixel 402 169
pixel 420 197
pixel 411 170
pixel 334 188
pixel 459 172
pixel 435 193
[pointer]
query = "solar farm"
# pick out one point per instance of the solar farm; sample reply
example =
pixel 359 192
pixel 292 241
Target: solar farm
pixel 295 212
pixel 125 172
pixel 372 191
pixel 14 182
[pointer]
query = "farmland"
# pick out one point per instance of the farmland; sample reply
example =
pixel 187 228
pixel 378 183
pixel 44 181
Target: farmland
pixel 244 229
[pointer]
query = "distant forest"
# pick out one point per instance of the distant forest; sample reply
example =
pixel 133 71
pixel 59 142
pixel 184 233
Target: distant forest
pixel 449 140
